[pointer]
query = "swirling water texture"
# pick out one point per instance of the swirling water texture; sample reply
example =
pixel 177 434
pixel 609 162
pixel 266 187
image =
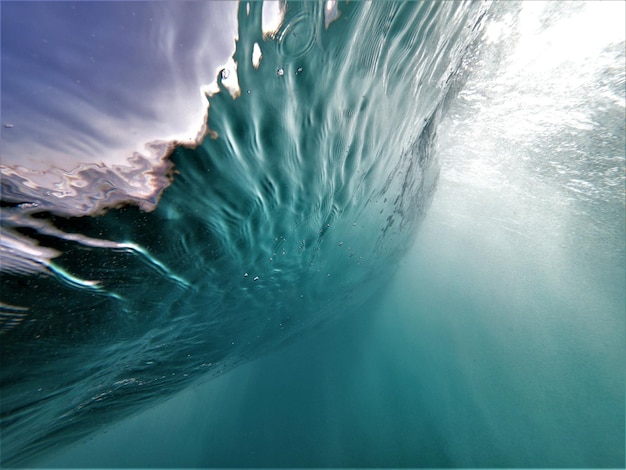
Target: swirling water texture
pixel 309 186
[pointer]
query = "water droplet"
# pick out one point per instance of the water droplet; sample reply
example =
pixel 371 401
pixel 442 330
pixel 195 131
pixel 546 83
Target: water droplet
pixel 224 74
pixel 256 278
pixel 280 72
pixel 298 70
pixel 245 274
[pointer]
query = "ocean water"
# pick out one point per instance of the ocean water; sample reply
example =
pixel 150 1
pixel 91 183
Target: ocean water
pixel 404 224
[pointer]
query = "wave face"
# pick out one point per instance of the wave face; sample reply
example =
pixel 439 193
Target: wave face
pixel 317 166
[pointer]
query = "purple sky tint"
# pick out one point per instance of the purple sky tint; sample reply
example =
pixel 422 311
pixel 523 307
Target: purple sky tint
pixel 93 82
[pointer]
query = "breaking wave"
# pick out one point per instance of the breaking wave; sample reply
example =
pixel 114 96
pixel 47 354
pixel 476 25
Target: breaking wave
pixel 123 284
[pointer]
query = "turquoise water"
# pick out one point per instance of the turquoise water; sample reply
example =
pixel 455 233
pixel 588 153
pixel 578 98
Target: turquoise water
pixel 493 336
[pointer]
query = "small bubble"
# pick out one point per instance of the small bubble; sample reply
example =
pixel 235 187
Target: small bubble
pixel 280 72
pixel 340 243
pixel 8 126
pixel 224 74
pixel 256 278
pixel 298 70
pixel 245 274
pixel 354 224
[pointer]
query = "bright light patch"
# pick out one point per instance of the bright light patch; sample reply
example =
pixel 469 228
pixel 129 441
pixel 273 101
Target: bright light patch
pixel 273 15
pixel 257 55
pixel 331 12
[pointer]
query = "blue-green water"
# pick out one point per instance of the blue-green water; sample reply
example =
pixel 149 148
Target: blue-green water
pixel 496 340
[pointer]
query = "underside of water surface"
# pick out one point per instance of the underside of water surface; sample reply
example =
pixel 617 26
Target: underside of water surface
pixel 313 234
pixel 315 169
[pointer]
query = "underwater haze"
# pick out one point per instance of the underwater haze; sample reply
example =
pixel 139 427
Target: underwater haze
pixel 386 235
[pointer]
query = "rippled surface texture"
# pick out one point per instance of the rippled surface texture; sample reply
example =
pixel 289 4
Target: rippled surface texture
pixel 125 285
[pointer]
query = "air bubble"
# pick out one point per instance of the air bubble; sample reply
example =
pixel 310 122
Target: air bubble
pixel 280 72
pixel 297 37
